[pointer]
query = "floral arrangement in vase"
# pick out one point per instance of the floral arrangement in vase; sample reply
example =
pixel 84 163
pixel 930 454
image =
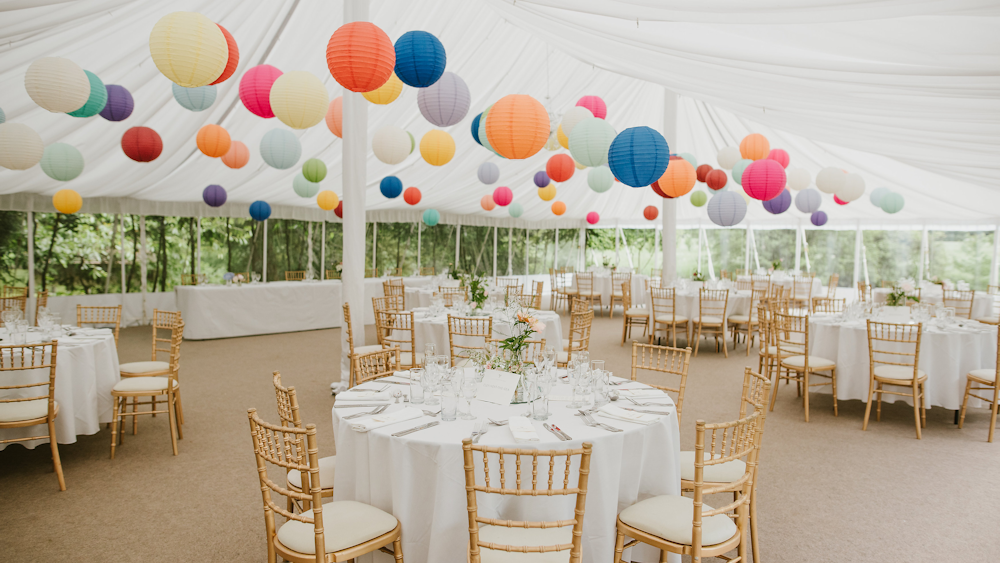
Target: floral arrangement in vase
pixel 477 284
pixel 340 266
pixel 697 276
pixel 898 296
pixel 508 354
pixel 775 265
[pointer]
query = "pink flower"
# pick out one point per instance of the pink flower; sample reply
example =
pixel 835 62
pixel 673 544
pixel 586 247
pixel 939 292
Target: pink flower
pixel 536 325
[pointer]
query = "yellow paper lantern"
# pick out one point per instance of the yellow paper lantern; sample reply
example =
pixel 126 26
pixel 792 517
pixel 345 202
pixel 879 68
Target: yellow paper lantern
pixel 548 193
pixel 579 166
pixel 299 99
pixel 437 147
pixel 67 201
pixel 327 200
pixel 562 138
pixel 386 93
pixel 189 49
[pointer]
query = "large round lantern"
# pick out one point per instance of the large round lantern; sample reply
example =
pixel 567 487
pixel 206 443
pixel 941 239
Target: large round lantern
pixel 779 204
pixel 237 156
pixel 420 59
pixel 303 187
pixel 727 209
pixel 446 102
pixel 548 193
pixel 280 149
pixel 764 179
pixel 541 179
pixel 391 145
pixel 213 140
pixel 560 167
pixel 808 201
pixel 877 195
pixel 754 147
pixel 67 201
pixel 892 202
pixel 487 202
pixel 839 201
pixel 716 179
pixel 600 179
pixel 96 101
pixel 431 217
pixel 327 200
pixel 590 140
pixel 255 89
pixel 780 156
pixel 335 116
pixel 339 210
pixel 656 189
pixel 651 212
pixel 728 157
pixel 391 187
pixel 853 188
pixel 798 179
pixel 595 104
pixel 818 218
pixel 638 156
pixel 702 171
pixel 189 49
pixel 314 170
pixel 678 179
pixel 830 180
pixel 386 93
pixel 573 116
pixel 593 217
pixel 515 210
pixel 20 146
pixel 62 162
pixel 562 138
pixel 558 208
pixel 699 199
pixel 57 84
pixel 214 195
pixel 299 99
pixel 502 196
pixel 738 169
pixel 517 126
pixel 194 99
pixel 260 210
pixel 360 56
pixel 475 128
pixel 488 173
pixel 411 196
pixel 142 144
pixel 233 60
pixel 119 105
pixel 437 147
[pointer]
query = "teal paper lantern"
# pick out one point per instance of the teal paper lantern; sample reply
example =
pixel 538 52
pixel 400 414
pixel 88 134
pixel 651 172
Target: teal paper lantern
pixel 690 158
pixel 515 210
pixel 877 195
pixel 738 169
pixel 280 149
pixel 96 101
pixel 314 170
pixel 590 140
pixel 600 179
pixel 194 99
pixel 892 202
pixel 62 162
pixel 431 217
pixel 699 199
pixel 303 187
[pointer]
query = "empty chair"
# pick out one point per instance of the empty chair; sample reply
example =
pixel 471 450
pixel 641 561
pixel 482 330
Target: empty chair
pixel 332 275
pixel 992 318
pixel 744 285
pixel 984 379
pixel 371 272
pixel 748 323
pixel 453 295
pixel 427 271
pixel 155 367
pixel 375 365
pixel 831 286
pixel 14 291
pixel 634 316
pixel 761 281
pixel 802 288
pixel 864 292
pixel 712 305
pixel 828 305
pixel 585 290
pixel 665 315
pixel 663 360
pixel 295 275
pixel 398 272
pixel 617 279
pixel 100 316
pixel 355 351
pixel 41 300
pixel 791 333
pixel 18 303
pixel 395 288
pixel 961 301
pixel 579 336
pixel 893 356
pixel 189 279
pixel 288 413
pixel 466 335
pixel 533 299
pixel 512 294
pixel 397 331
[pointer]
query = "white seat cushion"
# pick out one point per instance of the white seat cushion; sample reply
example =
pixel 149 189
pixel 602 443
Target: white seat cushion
pixel 901 373
pixel 815 362
pixel 617 293
pixel 788 350
pixel 144 367
pixel 358 350
pixel 710 320
pixel 670 517
pixel 987 320
pixel 637 312
pixel 667 319
pixel 24 410
pixel 722 473
pixel 565 343
pixel 524 536
pixel 327 467
pixel 586 293
pixel 345 523
pixel 569 291
pixel 984 374
pixel 405 358
pixel 742 319
pixel 133 384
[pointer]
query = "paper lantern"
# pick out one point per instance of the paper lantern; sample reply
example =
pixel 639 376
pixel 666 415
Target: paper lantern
pixel 386 93
pixel 339 210
pixel 690 158
pixel 194 99
pixel 483 138
pixel 558 208
pixel 593 217
pixel 595 104
pixel 420 59
pixel 431 217
pixel 600 179
pixel 515 210
pixel 314 170
pixel 411 196
pixel 189 49
pixel 299 99
pixel 20 146
pixel 699 199
pixel 590 140
pixel 119 105
pixel 818 218
pixel 233 58
pixel 214 195
pixel 727 209
pixel 391 187
pixel 562 138
pixel 839 201
pixel 213 140
pixel 716 179
pixel 57 84
pixel 638 156
pixel 656 189
pixel 327 200
pixel 738 169
pixel 541 179
pixel 573 116
pixel 142 144
pixel 764 179
pixel 303 187
pixel 391 145
pixel 502 196
pixel 280 149
pixel 475 128
pixel 559 168
pixel 780 203
pixel 237 156
pixel 651 212
pixel 678 179
pixel 779 156
pixel 488 173
pixel 335 116
pixel 830 180
pixel 517 126
pixel 62 162
pixel 876 196
pixel 548 193
pixel 255 89
pixel 97 99
pixel 437 147
pixel 67 201
pixel 360 56
pixel 892 202
pixel 702 171
pixel 853 188
pixel 798 179
pixel 728 157
pixel 260 210
pixel 808 201
pixel 446 102
pixel 754 147
pixel 487 202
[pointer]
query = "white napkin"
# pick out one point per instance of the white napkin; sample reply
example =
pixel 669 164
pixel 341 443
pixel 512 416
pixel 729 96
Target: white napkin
pixel 611 411
pixel 363 395
pixel 522 429
pixel 645 392
pixel 384 419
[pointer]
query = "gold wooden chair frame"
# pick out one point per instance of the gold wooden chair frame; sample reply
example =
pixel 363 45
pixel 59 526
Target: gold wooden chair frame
pixel 761 281
pixel 427 271
pixel 580 324
pixel 288 412
pixel 512 294
pixel 749 323
pixel 376 365
pixel 387 303
pixel 791 333
pixel 399 332
pixel 768 351
pixel 371 272
pixel 453 295
pixel 828 305
pixel 634 316
pixel 617 279
pixel 533 349
pixel 14 291
pixel 533 299
pixel 864 292
pixel 295 275
pixel 665 313
pixel 663 359
pixel 712 316
pixel 395 288
pixel 566 290
pixel 777 291
pixel 467 328
pixel 987 380
pixel 189 279
pixel 19 303
pixel 802 288
pixel 831 286
pixel 744 285
pixel 162 320
pixel 994 292
pixel 960 300
pixel 585 290
pixel 332 275
pixel 355 351
pixel 41 300
pixel 889 284
pixel 890 366
pixel 111 315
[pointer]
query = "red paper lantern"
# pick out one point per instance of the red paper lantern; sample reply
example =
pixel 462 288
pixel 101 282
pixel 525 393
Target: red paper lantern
pixel 651 212
pixel 658 191
pixel 560 168
pixel 360 56
pixel 780 156
pixel 840 201
pixel 502 196
pixel 411 196
pixel 764 179
pixel 234 56
pixel 593 217
pixel 142 144
pixel 702 171
pixel 339 211
pixel 716 179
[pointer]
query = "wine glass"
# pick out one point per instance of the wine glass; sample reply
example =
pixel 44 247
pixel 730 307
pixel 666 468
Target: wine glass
pixel 469 388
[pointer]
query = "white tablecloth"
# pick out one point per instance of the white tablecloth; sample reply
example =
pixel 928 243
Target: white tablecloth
pixel 420 479
pixel 789 284
pixel 86 370
pixel 435 330
pixel 982 303
pixel 946 357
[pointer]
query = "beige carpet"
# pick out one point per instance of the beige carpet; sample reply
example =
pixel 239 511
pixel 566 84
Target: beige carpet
pixel 828 491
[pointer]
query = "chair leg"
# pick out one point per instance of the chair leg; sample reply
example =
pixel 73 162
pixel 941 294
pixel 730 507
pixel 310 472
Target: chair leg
pixel 397 550
pixel 56 463
pixel 180 408
pixel 833 382
pixel 868 406
pixel 993 411
pixel 805 392
pixel 135 419
pixel 172 415
pixel 916 407
pixel 923 407
pixel 114 426
pixel 965 403
pixel 619 547
pixel 878 395
pixel 725 348
pixel 697 340
pixel 177 411
pixel 774 388
pixel 754 546
pixel 153 405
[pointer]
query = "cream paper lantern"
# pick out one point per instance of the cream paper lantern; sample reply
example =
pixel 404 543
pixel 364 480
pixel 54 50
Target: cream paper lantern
pixel 57 84
pixel 189 49
pixel 853 188
pixel 391 145
pixel 20 147
pixel 299 99
pixel 574 115
pixel 798 179
pixel 728 157
pixel 830 180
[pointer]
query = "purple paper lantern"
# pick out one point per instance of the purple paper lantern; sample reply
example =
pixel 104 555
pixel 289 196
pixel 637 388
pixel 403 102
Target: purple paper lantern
pixel 542 179
pixel 120 103
pixel 214 195
pixel 818 218
pixel 445 102
pixel 779 204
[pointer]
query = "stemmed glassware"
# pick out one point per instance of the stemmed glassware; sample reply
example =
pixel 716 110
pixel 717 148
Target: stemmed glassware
pixel 544 381
pixel 469 387
pixel 417 382
pixel 432 376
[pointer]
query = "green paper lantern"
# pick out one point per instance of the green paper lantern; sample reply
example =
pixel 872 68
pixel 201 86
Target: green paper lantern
pixel 698 199
pixel 431 217
pixel 314 170
pixel 303 187
pixel 194 99
pixel 515 210
pixel 97 100
pixel 892 202
pixel 600 179
pixel 739 168
pixel 62 162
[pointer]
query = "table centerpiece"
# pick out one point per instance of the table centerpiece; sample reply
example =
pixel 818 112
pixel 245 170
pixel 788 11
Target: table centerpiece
pixel 508 355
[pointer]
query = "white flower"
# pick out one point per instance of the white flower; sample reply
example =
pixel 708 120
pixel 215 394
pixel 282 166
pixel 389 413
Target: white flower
pixel 906 286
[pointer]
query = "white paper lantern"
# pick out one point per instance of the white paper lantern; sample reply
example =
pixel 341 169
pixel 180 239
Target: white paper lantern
pixel 830 180
pixel 574 115
pixel 20 147
pixel 808 201
pixel 727 209
pixel 488 172
pixel 798 179
pixel 853 188
pixel 391 145
pixel 194 99
pixel 57 84
pixel 590 141
pixel 728 157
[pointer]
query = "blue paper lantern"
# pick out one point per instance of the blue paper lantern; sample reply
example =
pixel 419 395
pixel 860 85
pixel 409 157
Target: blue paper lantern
pixel 738 169
pixel 214 195
pixel 431 217
pixel 96 101
pixel 260 210
pixel 475 128
pixel 194 99
pixel 779 204
pixel 391 187
pixel 515 210
pixel 542 179
pixel 818 218
pixel 420 59
pixel 727 209
pixel 638 156
pixel 280 149
pixel 808 201
pixel 488 173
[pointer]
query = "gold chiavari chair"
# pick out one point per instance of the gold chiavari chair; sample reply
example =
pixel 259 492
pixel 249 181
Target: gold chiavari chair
pixel 828 305
pixel 768 350
pixel 162 320
pixel 395 288
pixel 464 334
pixel 398 272
pixel 652 282
pixel 533 348
pixel 663 521
pixel 100 316
pixel 492 539
pixel 356 351
pixel 777 291
pixel 150 386
pixel 295 275
pixel 888 284
pixel 453 294
pixel 724 274
pixel 802 287
pixel 994 317
pixel 864 292
pixel 340 530
pixel 831 286
pixel 747 324
pixel 22 405
pixel 371 272
pixel 14 303
pixel 656 272
pixel 398 332
pixel 288 413
pixel 41 300
pixel 534 298
pixel 712 305
pixel 388 303
pixel 512 294
pixel 189 279
pixel 961 300
pixel 744 285
pixel 376 365
pixel 580 323
pixel 761 281
pixel 332 275
pixel 617 279
pixel 578 305
pixel 665 313
pixel 634 316
pixel 791 332
pixel 987 380
pixel 663 360
pixel 567 289
pixel 893 358
pixel 585 290
pixel 554 282
pixel 14 291
pixel 427 271
pixel 508 281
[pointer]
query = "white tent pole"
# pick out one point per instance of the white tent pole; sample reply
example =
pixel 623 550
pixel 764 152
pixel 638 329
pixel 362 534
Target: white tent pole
pixel 708 255
pixel 495 229
pixel 458 244
pixel 198 263
pixel 527 243
pixel 143 264
pixel 309 263
pixel 924 254
pixel 618 232
pixel 628 253
pixel 996 255
pixel 322 251
pixel 510 246
pixel 805 249
pixel 798 247
pixel 111 254
pixel 656 245
pixel 857 257
pixel 864 263
pixel 263 275
pixel 31 263
pixel 420 228
pixel 581 243
pixel 669 208
pixel 746 250
pixel 121 257
pixel 555 258
pixel 374 244
pixel 756 255
pixel 701 235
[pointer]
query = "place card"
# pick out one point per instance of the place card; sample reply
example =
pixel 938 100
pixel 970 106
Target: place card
pixel 497 387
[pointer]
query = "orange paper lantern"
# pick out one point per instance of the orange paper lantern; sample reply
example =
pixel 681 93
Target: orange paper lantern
pixel 651 212
pixel 213 140
pixel 335 116
pixel 234 56
pixel 517 126
pixel 678 179
pixel 360 56
pixel 237 156
pixel 560 168
pixel 487 202
pixel 411 196
pixel 558 208
pixel 755 146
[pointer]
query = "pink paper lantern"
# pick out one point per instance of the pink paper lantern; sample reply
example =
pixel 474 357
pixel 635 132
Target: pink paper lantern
pixel 595 104
pixel 502 196
pixel 764 179
pixel 593 217
pixel 255 89
pixel 780 156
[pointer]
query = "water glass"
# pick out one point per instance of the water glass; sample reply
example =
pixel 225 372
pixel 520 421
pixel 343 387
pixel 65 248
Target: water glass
pixel 432 376
pixel 540 407
pixel 449 400
pixel 469 388
pixel 428 350
pixel 417 386
pixel 597 366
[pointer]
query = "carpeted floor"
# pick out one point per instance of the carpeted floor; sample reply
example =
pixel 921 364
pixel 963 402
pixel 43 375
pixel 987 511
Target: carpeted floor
pixel 827 492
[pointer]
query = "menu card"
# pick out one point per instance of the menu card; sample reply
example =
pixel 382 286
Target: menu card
pixel 497 387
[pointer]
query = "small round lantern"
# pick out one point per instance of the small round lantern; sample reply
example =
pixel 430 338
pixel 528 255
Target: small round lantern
pixel 502 196
pixel 237 156
pixel 194 99
pixel 515 210
pixel 716 179
pixel 437 147
pixel 558 208
pixel 411 196
pixel 360 56
pixel 727 209
pixel 678 179
pixel 96 101
pixel 487 202
pixel 892 202
pixel 780 156
pixel 189 49
pixel 595 104
pixel 214 195
pixel 120 103
pixel 876 196
pixel 488 173
pixel 260 210
pixel 299 99
pixel 142 144
pixel 779 204
pixel 702 171
pixel 303 187
pixel 650 212
pixel 590 140
pixel 386 93
pixel 327 200
pixel 475 128
pixel 818 218
pixel 67 201
pixel 541 179
pixel 548 193
pixel 57 84
pixel 20 146
pixel 593 217
pixel 600 179
pixel 391 145
pixel 339 210
pixel 853 188
pixel 314 170
pixel 213 140
pixel 573 116
pixel 808 201
pixel 764 179
pixel 391 187
pixel 698 199
pixel 431 217
pixel 728 157
pixel 446 102
pixel 517 126
pixel 62 162
pixel 233 60
pixel 280 149
pixel 335 116
pixel 830 180
pixel 560 167
pixel 738 169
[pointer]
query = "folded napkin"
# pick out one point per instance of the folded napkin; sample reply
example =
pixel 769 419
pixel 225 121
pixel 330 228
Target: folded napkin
pixel 617 413
pixel 645 392
pixel 405 374
pixel 363 395
pixel 384 419
pixel 522 429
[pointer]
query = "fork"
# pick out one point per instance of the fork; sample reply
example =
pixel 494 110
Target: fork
pixel 638 404
pixel 376 410
pixel 432 413
pixel 497 422
pixel 589 421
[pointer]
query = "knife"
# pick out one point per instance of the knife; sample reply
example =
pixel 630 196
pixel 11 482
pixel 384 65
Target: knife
pixel 552 430
pixel 358 405
pixel 559 430
pixel 412 430
pixel 661 413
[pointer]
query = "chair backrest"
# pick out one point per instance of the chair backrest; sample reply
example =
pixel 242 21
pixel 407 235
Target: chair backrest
pixel 288 403
pixel 888 284
pixel 791 335
pixel 777 291
pixel 664 303
pixel 100 316
pixel 585 282
pixel 374 365
pixel 618 278
pixel 761 281
pixel 397 330
pixel 453 294
pixel 512 294
pixel 652 282
pixel 756 296
pixel 891 344
pixel 557 482
pixel 332 275
pixel 724 274
pixel 371 272
pixel 350 328
pixel 579 332
pixel 712 303
pixel 961 300
pixel 504 282
pixel 189 279
pixel 663 359
pixel 17 303
pixel 864 291
pixel 397 281
pixel 579 305
pixel 744 285
pixel 41 300
pixel 14 291
pixel 23 357
pixel 163 320
pixel 387 303
pixel 656 272
pixel 831 286
pixel 464 334
pixel 828 305
pixel 428 271
pixel 755 387
pixel 295 275
pixel 390 288
pixel 533 299
pixel 626 296
pixel 802 288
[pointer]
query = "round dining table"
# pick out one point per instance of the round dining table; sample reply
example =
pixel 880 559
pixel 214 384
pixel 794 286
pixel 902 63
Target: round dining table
pixel 420 478
pixel 982 303
pixel 433 329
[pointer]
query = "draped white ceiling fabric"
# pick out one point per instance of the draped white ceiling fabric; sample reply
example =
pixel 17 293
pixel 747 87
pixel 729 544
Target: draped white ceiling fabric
pixel 907 94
